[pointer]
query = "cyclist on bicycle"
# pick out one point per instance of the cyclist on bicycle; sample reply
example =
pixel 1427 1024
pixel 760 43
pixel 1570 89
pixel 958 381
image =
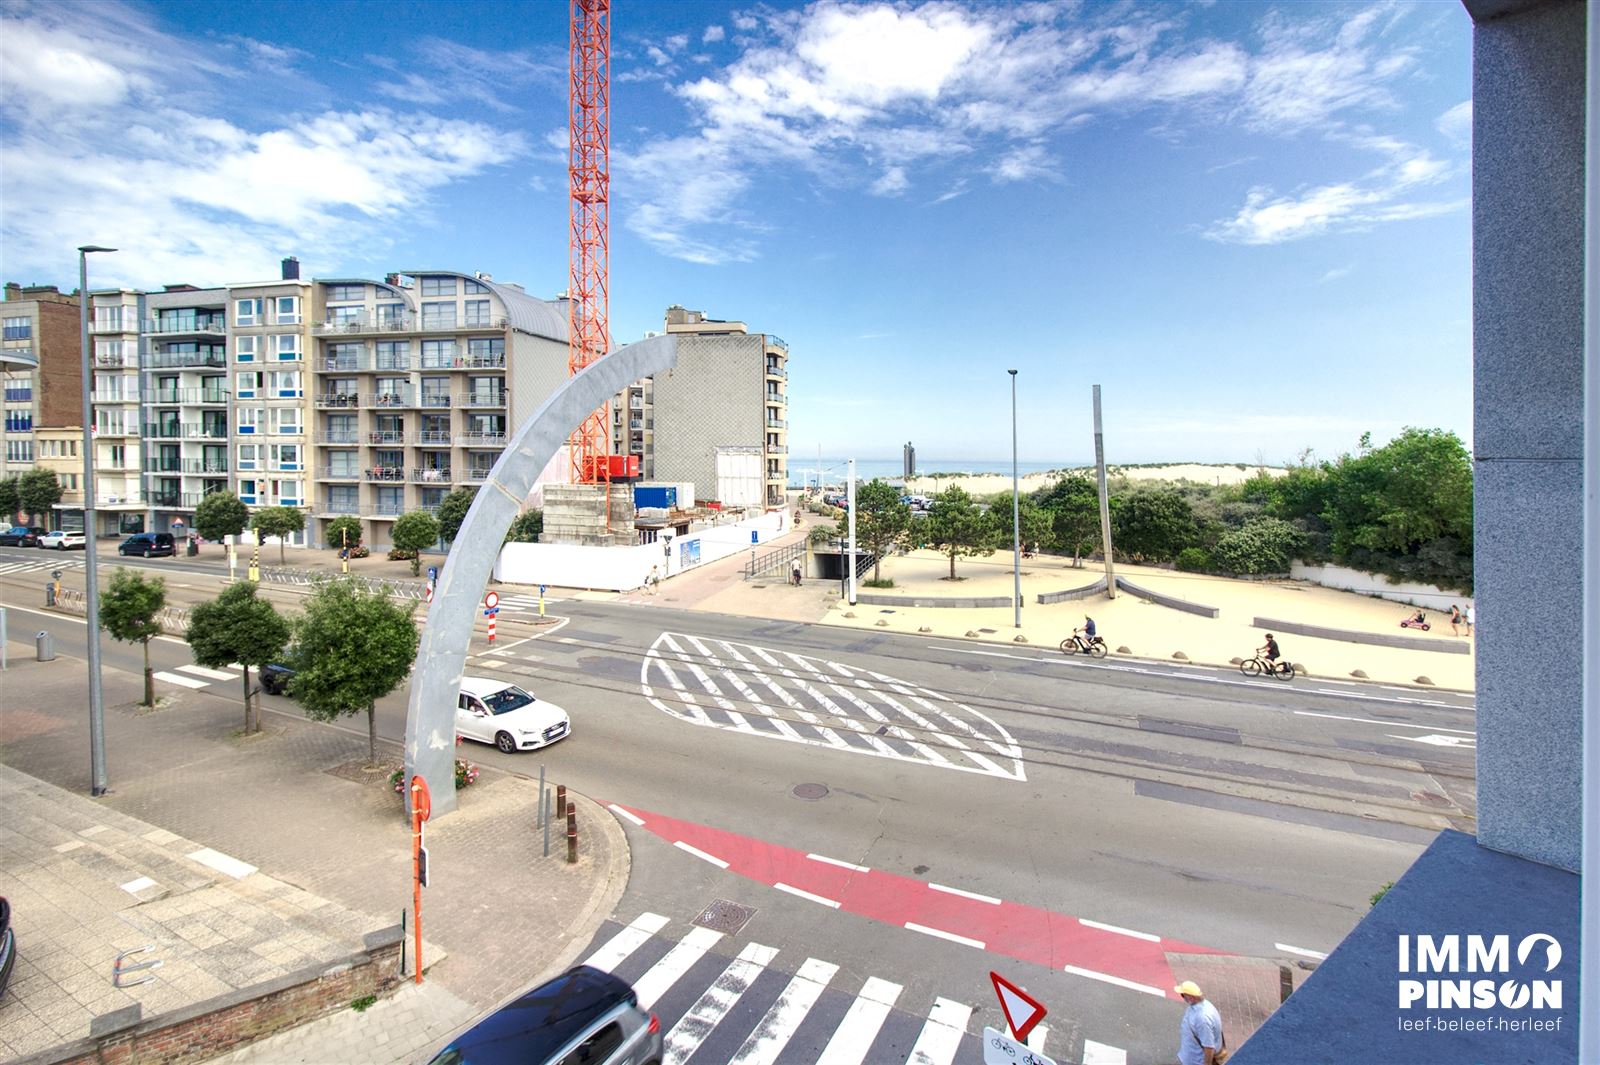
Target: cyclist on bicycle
pixel 1270 651
pixel 1087 630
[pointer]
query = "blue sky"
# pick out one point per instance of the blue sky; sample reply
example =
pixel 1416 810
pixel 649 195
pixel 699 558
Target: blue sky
pixel 1249 222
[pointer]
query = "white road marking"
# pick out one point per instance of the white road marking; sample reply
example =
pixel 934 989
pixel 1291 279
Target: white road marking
pixel 841 865
pixel 775 1029
pixel 1119 981
pixel 704 1016
pixel 854 1036
pixel 1100 1054
pixel 942 934
pixel 1119 930
pixel 625 942
pixel 180 679
pixel 1386 724
pixel 210 674
pixel 626 814
pixel 941 1035
pixel 222 863
pixel 666 972
pixel 1440 741
pixel 964 894
pixel 806 895
pixel 751 697
pixel 702 855
pixel 133 887
pixel 1302 951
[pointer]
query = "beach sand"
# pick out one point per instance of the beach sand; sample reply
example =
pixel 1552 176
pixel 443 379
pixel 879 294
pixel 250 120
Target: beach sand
pixel 987 484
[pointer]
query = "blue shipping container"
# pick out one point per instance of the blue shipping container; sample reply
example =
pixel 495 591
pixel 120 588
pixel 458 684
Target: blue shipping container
pixel 664 496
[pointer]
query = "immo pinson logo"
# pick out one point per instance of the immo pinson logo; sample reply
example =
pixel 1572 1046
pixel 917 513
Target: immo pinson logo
pixel 1440 962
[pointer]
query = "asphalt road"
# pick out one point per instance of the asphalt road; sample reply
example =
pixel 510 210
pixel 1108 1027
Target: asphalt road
pixel 1195 805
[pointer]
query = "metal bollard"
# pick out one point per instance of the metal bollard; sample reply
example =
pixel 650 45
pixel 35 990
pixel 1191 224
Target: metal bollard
pixel 538 818
pixel 50 594
pixel 572 832
pixel 561 799
pixel 44 647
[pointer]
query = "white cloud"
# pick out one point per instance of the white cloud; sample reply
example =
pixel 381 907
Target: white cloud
pixel 1336 274
pixel 445 72
pixel 713 34
pixel 184 192
pixel 1456 123
pixel 1025 163
pixel 892 183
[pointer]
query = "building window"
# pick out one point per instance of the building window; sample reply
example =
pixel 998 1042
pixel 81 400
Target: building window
pixel 472 288
pixel 112 320
pixel 246 384
pixel 286 421
pixel 486 351
pixel 438 315
pixel 284 456
pixel 248 312
pixel 245 349
pixel 284 384
pixel 247 456
pixel 342 499
pixel 19 450
pixel 251 419
pixel 345 315
pixel 346 293
pixel 287 493
pixel 438 286
pixel 394 355
pixel 438 354
pixel 286 310
pixel 247 491
pixel 391 315
pixel 477 312
pixel 343 464
pixel 344 356
pixel 18 328
pixel 287 345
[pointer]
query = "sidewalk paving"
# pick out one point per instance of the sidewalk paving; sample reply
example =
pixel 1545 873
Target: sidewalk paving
pixel 294 802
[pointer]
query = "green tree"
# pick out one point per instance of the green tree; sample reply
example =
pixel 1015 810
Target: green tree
pixel 1073 503
pixel 351 648
pixel 1264 545
pixel 958 528
pixel 10 500
pixel 1037 528
pixel 237 626
pixel 882 521
pixel 343 532
pixel 453 511
pixel 219 515
pixel 413 532
pixel 38 491
pixel 1415 489
pixel 281 522
pixel 128 609
pixel 526 528
pixel 1152 524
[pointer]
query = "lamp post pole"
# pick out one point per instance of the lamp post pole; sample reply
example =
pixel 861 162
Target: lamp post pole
pixel 1016 508
pixel 91 593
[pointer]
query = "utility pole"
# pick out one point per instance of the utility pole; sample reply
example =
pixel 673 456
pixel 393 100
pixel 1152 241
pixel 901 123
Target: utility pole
pixel 1105 500
pixel 1016 508
pixel 850 500
pixel 98 785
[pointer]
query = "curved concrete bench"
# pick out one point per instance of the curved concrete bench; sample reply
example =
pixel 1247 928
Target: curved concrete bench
pixel 1408 643
pixel 924 601
pixel 1168 600
pixel 1072 593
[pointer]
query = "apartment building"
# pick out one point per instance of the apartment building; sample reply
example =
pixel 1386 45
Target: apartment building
pixel 58 449
pixel 719 419
pixel 40 369
pixel 418 381
pixel 116 320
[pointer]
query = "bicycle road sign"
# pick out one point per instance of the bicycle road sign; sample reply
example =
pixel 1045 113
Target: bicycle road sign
pixel 1001 1049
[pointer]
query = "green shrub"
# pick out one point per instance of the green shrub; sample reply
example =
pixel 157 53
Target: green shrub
pixel 400 554
pixel 1262 545
pixel 1194 560
pixel 887 582
pixel 360 552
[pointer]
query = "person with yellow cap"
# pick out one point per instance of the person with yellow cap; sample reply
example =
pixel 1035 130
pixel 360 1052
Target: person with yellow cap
pixel 1200 1039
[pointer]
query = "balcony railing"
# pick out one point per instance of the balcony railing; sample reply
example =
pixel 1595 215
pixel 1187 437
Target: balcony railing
pixel 384 510
pixel 395 362
pixel 778 342
pixel 116 362
pixel 123 323
pixel 778 372
pixel 197 323
pixel 481 439
pixel 339 473
pixel 477 473
pixel 431 475
pixel 116 430
pixel 405 324
pixel 338 436
pixel 435 437
pixel 777 423
pixel 116 397
pixel 481 399
pixel 338 399
pixel 347 363
pixel 166 499
pixel 435 399
pixel 777 449
pixel 385 473
pixel 161 360
pixel 386 436
pixel 388 399
pixel 172 395
pixel 185 431
pixel 338 506
pixel 183 465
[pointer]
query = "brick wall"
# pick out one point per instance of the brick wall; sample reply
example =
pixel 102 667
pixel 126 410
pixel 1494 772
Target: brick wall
pixel 211 1028
pixel 60 398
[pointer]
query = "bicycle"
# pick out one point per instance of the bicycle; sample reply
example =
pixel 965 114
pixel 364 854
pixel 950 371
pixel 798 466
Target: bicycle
pixel 1095 647
pixel 1258 665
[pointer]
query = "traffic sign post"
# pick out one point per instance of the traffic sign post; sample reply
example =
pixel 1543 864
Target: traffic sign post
pixel 541 600
pixel 421 808
pixel 1022 1010
pixel 491 609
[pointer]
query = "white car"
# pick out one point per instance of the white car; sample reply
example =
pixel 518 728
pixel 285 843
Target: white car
pixel 62 539
pixel 492 711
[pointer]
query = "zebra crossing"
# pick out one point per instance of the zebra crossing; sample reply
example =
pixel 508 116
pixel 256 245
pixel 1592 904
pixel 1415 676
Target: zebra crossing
pixel 803 699
pixel 47 561
pixel 525 603
pixel 755 1006
pixel 193 676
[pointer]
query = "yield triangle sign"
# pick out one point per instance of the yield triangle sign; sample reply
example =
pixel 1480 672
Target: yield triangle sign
pixel 1021 1011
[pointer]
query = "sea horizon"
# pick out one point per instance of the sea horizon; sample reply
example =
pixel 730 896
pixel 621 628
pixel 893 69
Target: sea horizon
pixel 834 469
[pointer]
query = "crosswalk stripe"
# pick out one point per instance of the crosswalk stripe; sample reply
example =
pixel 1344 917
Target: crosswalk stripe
pixel 212 674
pixel 180 679
pixel 625 942
pixel 666 972
pixel 783 727
pixel 947 1023
pixel 1100 1054
pixel 854 1036
pixel 775 1030
pixel 694 1026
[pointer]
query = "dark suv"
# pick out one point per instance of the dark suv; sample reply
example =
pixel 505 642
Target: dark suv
pixel 583 1015
pixel 20 536
pixel 147 544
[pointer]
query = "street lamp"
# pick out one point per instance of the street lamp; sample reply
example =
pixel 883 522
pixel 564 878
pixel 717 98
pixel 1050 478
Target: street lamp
pixel 1016 508
pixel 91 594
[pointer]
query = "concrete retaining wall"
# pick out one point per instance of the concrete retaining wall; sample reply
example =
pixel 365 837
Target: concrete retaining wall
pixel 912 600
pixel 1168 600
pixel 1376 584
pixel 1098 587
pixel 1377 639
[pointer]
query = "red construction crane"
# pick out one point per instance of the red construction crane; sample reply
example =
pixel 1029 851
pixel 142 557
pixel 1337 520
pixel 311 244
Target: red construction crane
pixel 588 255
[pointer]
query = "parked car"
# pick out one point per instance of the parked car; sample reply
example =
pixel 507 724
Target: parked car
pixel 492 711
pixel 275 678
pixel 8 946
pixel 147 544
pixel 63 540
pixel 18 536
pixel 583 1015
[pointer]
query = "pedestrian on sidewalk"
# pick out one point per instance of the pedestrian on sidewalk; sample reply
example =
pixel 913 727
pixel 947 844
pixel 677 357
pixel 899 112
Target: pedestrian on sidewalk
pixel 1455 620
pixel 654 579
pixel 1200 1038
pixel 794 575
pixel 1471 614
